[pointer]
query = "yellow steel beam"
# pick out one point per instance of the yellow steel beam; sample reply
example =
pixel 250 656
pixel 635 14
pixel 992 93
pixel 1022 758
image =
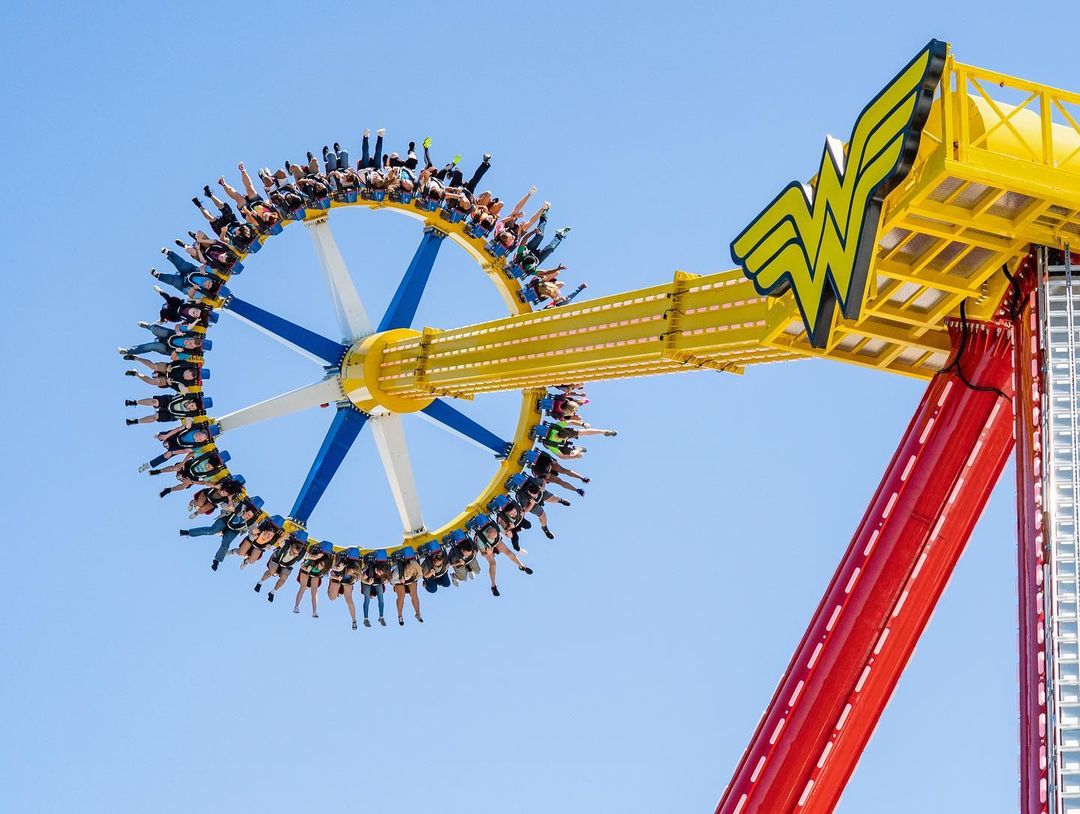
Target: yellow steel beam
pixel 712 322
pixel 990 179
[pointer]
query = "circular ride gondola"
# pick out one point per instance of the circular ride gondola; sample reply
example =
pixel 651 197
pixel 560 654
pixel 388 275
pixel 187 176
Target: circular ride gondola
pixel 352 366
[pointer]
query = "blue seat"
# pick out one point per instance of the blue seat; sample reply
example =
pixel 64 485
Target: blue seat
pixel 427 204
pixel 225 456
pixel 545 403
pixel 207 344
pixel 514 271
pixel 528 295
pixel 453 215
pixel 207 402
pixel 430 547
pixel 477 522
pixel 406 553
pixel 321 203
pixel 402 197
pixel 298 214
pixel 300 536
pixel 454 537
pixel 497 503
pixel 257 502
pixel 276 229
pixel 529 457
pixel 496 249
pixel 515 482
pixel 214 317
pixel 236 267
pixel 254 246
pixel 538 431
pixel 373 194
pixel 476 230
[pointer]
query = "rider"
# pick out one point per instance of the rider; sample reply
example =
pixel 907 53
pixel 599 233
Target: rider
pixel 372 578
pixel 281 562
pixel 180 374
pixel 511 518
pixel 170 407
pixel 532 496
pixel 404 575
pixel 312 570
pixel 230 525
pixel 177 309
pixel 547 469
pixel 486 534
pixel 268 532
pixel 168 341
pixel 435 568
pixel 463 560
pixel 203 467
pixel 224 493
pixel 180 440
pixel 220 222
pixel 343 575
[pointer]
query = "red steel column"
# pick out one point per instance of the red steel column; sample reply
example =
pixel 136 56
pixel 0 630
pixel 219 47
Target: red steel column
pixel 1030 544
pixel 882 595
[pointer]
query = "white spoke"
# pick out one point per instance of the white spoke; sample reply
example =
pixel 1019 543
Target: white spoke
pixel 352 318
pixel 390 439
pixel 324 392
pixel 277 338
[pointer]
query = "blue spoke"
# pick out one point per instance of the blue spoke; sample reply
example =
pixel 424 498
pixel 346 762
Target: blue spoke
pixel 309 341
pixel 339 439
pixel 460 423
pixel 403 307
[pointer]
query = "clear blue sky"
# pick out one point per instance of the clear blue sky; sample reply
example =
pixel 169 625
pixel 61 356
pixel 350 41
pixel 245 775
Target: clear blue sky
pixel 629 672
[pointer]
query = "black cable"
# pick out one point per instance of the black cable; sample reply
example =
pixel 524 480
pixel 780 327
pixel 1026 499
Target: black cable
pixel 1017 304
pixel 960 352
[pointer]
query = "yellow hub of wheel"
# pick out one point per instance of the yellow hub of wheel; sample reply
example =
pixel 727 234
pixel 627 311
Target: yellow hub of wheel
pixel 360 374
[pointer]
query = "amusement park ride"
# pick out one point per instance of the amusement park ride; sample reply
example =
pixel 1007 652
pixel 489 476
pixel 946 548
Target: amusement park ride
pixel 933 244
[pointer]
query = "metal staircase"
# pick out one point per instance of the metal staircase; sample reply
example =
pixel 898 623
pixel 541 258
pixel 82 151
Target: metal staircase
pixel 1060 324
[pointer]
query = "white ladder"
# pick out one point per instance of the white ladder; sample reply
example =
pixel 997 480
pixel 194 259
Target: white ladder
pixel 1060 320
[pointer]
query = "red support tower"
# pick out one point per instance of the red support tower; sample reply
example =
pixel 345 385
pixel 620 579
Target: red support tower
pixel 881 597
pixel 1030 535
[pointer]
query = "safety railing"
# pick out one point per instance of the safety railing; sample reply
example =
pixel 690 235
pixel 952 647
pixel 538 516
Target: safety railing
pixel 1019 119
